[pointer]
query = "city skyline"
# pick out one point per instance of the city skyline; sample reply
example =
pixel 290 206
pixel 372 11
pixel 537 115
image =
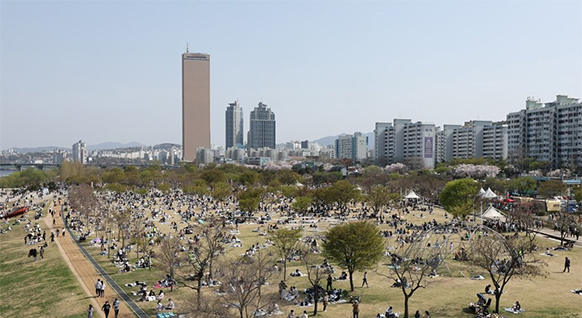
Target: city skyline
pixel 442 62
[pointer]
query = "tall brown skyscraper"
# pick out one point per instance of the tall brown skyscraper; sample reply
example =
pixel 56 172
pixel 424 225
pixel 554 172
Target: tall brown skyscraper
pixel 195 103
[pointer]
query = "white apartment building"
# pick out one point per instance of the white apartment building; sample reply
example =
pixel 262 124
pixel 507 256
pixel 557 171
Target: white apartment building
pixel 405 142
pixel 80 152
pixel 550 132
pixel 354 147
pixel 474 139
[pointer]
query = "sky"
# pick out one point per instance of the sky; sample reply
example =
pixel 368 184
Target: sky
pixel 111 71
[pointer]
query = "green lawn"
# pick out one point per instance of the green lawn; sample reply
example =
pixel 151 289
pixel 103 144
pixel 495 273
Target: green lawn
pixel 447 296
pixel 46 288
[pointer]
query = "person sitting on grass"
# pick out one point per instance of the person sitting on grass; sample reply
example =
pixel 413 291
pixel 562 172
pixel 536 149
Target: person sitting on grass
pixel 517 306
pixel 160 307
pixel 170 305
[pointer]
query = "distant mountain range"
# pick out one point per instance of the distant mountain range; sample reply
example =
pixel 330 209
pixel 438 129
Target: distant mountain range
pixel 101 146
pixel 330 140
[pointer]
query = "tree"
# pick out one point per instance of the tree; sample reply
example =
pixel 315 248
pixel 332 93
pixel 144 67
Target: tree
pixel 563 222
pixel 122 219
pixel 342 193
pixel 202 256
pixel 578 194
pixel 83 200
pixel 248 178
pixel 249 200
pixel 354 246
pixel 220 191
pixel 523 185
pixel 315 275
pixel 458 195
pixel 414 262
pixel 551 188
pixel 372 170
pixel 503 258
pixel 378 197
pixel 285 242
pixel 242 284
pixel 169 256
pixel 301 204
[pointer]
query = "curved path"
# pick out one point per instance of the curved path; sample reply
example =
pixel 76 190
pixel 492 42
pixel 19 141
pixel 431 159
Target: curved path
pixel 87 271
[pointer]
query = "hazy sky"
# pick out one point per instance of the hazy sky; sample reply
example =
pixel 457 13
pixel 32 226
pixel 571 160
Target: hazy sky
pixel 111 71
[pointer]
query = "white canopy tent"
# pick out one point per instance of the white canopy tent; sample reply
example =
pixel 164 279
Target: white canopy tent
pixel 412 195
pixel 493 214
pixel 481 192
pixel 489 194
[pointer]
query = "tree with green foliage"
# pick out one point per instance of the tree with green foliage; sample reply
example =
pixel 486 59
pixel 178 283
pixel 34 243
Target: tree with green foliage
pixel 288 177
pixel 285 241
pixel 164 187
pixel 288 191
pixel 249 200
pixel 523 185
pixel 212 176
pixel 248 178
pixel 354 246
pixel 220 191
pixel 342 193
pixel 377 197
pixel 458 196
pixel 301 204
pixel 578 194
pixel 551 188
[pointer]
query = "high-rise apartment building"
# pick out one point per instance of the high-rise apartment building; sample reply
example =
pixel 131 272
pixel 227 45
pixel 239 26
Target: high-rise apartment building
pixel 195 103
pixel 474 139
pixel 354 147
pixel 79 152
pixel 495 141
pixel 406 142
pixel 262 133
pixel 234 125
pixel 548 132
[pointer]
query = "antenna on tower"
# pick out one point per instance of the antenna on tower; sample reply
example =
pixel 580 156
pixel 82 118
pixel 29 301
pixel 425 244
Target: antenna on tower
pixel 186 47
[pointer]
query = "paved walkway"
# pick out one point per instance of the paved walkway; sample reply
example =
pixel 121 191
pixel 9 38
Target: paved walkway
pixel 556 235
pixel 87 273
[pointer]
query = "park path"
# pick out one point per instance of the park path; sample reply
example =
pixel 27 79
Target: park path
pixel 84 271
pixel 549 233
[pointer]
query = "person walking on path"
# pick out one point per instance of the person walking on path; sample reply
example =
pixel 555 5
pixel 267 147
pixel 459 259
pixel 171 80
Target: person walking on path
pixel 103 289
pixel 566 265
pixel 116 307
pixel 106 307
pixel 325 302
pixel 98 287
pixel 90 311
pixel 365 280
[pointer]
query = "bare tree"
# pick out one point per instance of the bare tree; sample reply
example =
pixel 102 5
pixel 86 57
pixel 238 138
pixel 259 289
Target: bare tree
pixel 285 242
pixel 202 255
pixel 503 258
pixel 83 200
pixel 122 220
pixel 414 262
pixel 242 284
pixel 169 256
pixel 563 222
pixel 315 275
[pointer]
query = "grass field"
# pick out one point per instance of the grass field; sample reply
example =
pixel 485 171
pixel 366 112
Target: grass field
pixel 46 288
pixel 447 296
